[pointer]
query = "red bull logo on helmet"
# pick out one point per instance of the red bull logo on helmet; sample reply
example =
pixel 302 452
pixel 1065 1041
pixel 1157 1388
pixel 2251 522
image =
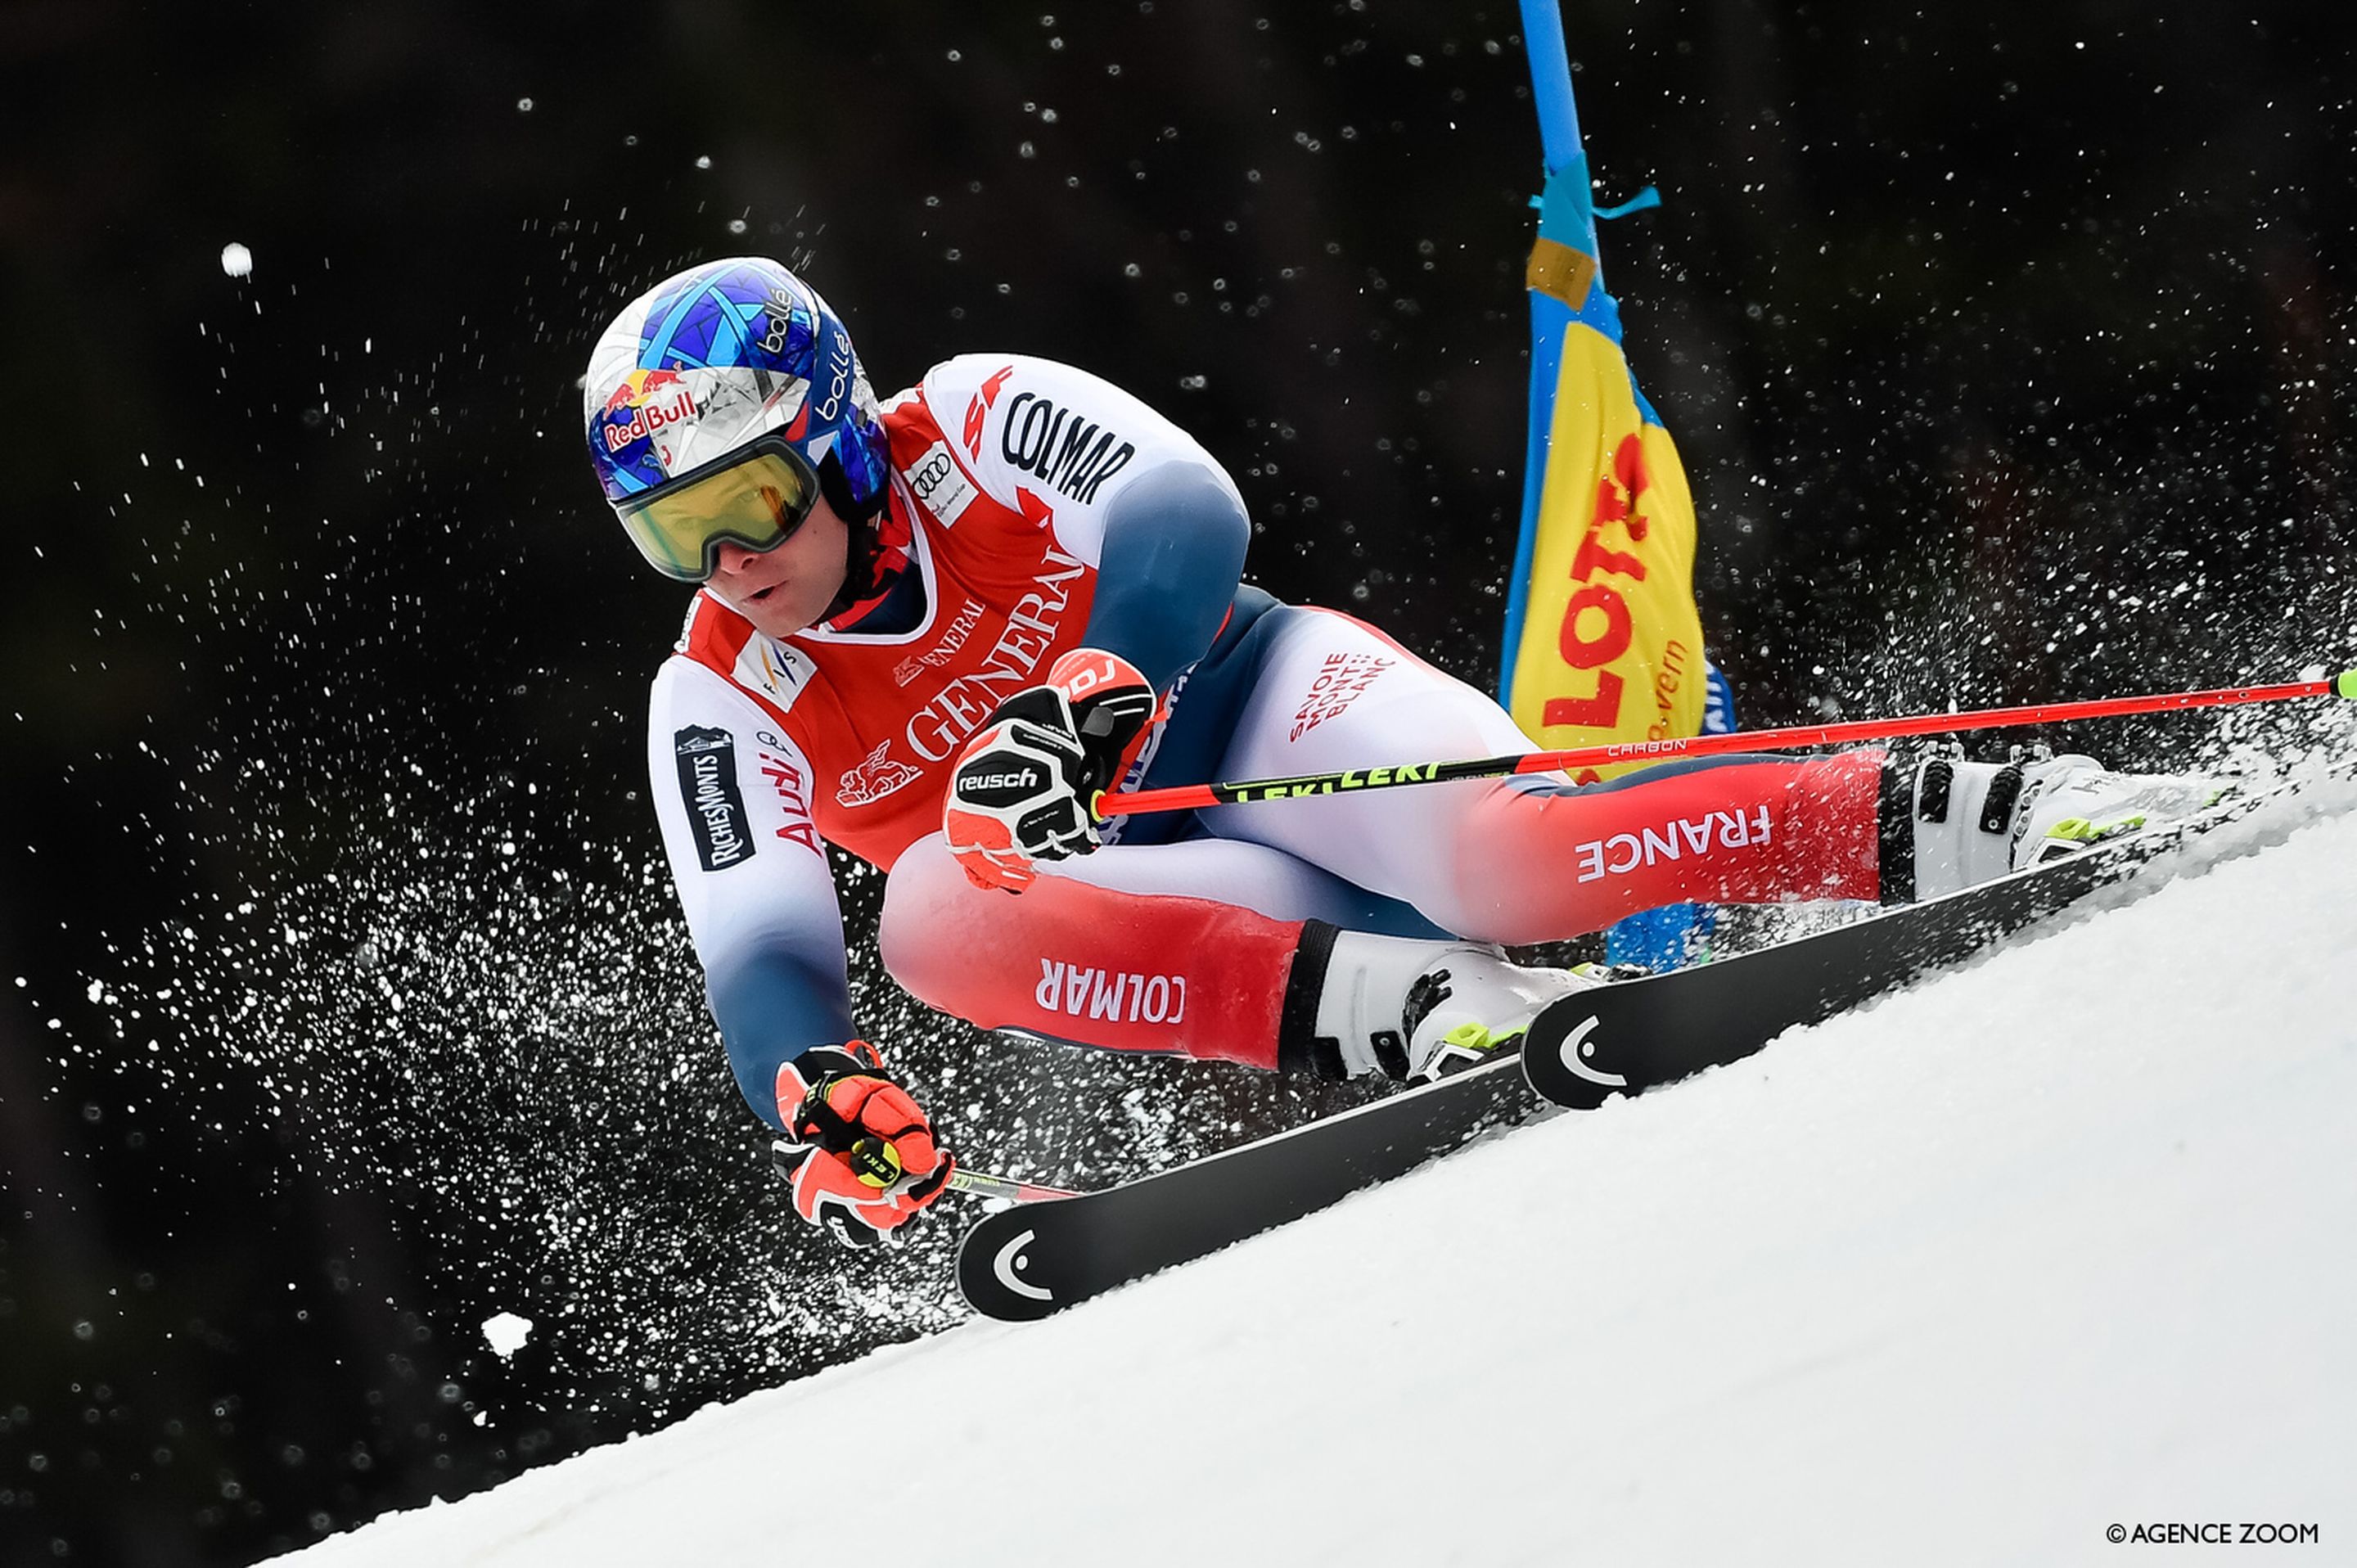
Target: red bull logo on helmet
pixel 644 402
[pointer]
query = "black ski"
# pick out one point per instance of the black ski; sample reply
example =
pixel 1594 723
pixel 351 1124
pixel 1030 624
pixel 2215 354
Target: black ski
pixel 1034 1259
pixel 1037 1258
pixel 1636 1035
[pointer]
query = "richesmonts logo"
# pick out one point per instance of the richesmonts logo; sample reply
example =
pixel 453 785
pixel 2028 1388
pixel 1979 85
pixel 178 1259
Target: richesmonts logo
pixel 707 788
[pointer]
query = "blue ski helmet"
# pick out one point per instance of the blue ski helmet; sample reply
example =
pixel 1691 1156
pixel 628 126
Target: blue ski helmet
pixel 732 358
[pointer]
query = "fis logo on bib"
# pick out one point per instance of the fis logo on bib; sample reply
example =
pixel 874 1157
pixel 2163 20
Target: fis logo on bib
pixel 707 788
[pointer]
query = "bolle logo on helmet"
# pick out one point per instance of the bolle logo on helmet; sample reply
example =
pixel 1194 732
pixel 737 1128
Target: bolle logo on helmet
pixel 645 403
pixel 836 378
pixel 783 313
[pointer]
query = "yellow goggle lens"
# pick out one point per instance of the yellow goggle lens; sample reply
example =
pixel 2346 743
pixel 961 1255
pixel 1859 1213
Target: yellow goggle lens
pixel 758 503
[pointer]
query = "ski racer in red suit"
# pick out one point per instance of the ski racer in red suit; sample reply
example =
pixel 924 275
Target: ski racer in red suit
pixel 930 629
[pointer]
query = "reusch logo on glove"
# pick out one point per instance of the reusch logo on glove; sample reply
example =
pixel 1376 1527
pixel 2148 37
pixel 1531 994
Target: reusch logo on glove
pixel 1014 786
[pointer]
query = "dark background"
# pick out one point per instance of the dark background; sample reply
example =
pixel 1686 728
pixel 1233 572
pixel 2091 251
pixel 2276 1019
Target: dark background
pixel 2010 355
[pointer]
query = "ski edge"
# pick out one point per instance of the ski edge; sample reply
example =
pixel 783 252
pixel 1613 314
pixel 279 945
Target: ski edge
pixel 995 1290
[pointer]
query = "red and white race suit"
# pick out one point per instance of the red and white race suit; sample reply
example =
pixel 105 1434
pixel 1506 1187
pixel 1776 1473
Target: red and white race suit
pixel 1005 469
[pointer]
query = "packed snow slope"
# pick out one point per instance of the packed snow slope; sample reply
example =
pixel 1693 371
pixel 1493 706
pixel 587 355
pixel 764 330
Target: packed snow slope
pixel 2064 1241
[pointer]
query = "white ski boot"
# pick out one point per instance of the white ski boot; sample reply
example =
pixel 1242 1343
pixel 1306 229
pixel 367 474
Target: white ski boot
pixel 1412 1009
pixel 1977 820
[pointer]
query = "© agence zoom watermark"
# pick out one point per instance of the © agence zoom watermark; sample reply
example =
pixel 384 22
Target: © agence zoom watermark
pixel 2212 1533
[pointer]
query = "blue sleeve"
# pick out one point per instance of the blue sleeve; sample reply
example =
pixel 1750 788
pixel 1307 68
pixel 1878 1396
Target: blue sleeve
pixel 1174 550
pixel 732 798
pixel 772 1004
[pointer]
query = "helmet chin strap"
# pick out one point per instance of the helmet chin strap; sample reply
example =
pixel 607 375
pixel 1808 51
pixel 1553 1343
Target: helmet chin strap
pixel 865 574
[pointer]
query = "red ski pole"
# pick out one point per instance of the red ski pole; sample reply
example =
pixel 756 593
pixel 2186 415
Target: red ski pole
pixel 1195 797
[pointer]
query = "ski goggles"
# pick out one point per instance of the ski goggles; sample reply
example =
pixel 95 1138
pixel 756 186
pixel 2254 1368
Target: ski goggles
pixel 756 496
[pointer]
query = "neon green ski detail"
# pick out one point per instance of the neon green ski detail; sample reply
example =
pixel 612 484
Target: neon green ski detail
pixel 2346 685
pixel 1474 1038
pixel 2079 830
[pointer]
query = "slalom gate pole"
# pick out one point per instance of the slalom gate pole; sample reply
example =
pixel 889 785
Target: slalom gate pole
pixel 983 1185
pixel 1195 797
pixel 1561 160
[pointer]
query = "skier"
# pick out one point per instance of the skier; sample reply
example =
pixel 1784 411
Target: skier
pixel 929 630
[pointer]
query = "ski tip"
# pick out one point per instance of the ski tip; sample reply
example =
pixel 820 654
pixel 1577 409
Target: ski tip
pixel 2345 684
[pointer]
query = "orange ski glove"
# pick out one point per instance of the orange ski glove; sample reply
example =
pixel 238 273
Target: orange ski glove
pixel 860 1157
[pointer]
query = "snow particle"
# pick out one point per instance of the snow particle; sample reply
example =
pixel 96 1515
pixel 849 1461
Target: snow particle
pixel 506 1333
pixel 236 260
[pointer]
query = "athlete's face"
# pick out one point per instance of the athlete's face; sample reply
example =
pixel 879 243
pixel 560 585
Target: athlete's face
pixel 784 590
